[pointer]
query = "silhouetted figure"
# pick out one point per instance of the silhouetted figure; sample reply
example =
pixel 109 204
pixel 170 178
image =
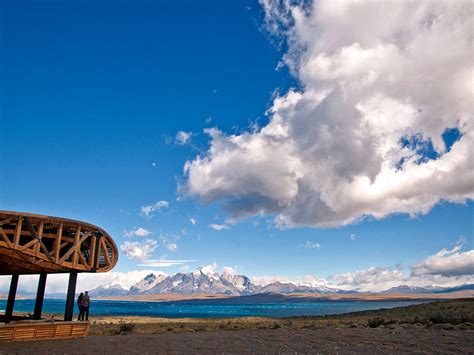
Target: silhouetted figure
pixel 80 304
pixel 86 302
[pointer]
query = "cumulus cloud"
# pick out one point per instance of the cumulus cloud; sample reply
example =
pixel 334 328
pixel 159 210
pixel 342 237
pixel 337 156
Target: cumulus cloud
pixel 218 227
pixel 311 245
pixel 446 262
pixel 380 83
pixel 139 232
pixel 379 278
pixel 148 210
pixel 183 137
pixel 139 250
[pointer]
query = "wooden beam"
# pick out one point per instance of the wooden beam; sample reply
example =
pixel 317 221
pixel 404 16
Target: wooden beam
pixel 7 220
pixel 106 253
pixel 76 241
pixel 82 260
pixel 18 231
pixel 93 246
pixel 40 236
pixel 57 243
pixel 29 244
pixel 5 237
pixel 75 247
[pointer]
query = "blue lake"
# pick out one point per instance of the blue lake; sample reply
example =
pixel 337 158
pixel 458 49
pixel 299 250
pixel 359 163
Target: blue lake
pixel 208 310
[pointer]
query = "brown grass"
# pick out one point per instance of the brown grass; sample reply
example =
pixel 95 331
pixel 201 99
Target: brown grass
pixel 458 314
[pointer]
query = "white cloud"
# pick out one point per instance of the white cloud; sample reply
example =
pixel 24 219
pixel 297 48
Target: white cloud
pixel 371 279
pixel 139 250
pixel 228 270
pixel 193 221
pixel 172 247
pixel 379 82
pixel 148 210
pixel 218 227
pixel 57 283
pixel 311 245
pixel 209 269
pixel 164 263
pixel 446 262
pixel 139 232
pixel 183 137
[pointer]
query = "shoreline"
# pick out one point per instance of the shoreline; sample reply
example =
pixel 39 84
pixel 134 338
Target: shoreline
pixel 289 298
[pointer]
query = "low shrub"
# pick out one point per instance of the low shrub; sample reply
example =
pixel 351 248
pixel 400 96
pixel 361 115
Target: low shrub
pixel 126 328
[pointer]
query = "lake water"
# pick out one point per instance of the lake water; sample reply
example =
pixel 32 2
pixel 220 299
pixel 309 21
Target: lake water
pixel 207 310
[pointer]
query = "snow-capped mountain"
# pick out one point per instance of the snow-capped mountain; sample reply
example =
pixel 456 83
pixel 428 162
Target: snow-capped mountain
pixel 205 280
pixel 150 281
pixel 241 282
pixel 109 290
pixel 287 287
pixel 201 280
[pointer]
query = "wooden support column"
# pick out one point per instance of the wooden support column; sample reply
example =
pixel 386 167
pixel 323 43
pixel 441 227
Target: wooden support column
pixel 11 298
pixel 40 296
pixel 71 292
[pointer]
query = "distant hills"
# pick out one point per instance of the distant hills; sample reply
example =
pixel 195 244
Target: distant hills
pixel 205 281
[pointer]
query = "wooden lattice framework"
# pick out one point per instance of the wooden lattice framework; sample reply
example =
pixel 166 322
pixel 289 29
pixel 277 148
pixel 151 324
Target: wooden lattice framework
pixel 37 244
pixel 32 244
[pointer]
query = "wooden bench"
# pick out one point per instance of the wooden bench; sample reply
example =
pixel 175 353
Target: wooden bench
pixel 43 331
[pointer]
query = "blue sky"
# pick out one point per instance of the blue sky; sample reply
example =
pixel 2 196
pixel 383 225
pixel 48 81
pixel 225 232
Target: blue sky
pixel 94 95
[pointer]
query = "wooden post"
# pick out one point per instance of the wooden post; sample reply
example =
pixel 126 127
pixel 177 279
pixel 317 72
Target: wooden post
pixel 11 298
pixel 40 296
pixel 71 293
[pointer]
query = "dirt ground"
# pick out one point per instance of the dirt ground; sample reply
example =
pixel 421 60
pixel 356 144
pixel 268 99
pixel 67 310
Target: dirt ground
pixel 284 341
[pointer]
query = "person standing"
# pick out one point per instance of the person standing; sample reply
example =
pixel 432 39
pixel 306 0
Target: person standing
pixel 86 302
pixel 80 304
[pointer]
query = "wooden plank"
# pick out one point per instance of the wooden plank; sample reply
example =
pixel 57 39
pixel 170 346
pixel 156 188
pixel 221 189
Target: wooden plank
pixel 18 231
pixel 57 243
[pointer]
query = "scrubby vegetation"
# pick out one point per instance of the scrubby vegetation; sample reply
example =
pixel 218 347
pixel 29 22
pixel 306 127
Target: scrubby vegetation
pixel 452 314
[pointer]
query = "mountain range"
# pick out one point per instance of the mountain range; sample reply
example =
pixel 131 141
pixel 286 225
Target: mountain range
pixel 205 281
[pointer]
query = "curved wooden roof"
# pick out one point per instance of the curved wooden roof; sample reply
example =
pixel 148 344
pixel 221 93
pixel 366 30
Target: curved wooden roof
pixel 32 243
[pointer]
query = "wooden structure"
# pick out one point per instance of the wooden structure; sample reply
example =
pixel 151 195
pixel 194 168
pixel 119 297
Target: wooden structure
pixel 37 244
pixel 43 331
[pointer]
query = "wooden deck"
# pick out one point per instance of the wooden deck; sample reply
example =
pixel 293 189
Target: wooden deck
pixel 26 331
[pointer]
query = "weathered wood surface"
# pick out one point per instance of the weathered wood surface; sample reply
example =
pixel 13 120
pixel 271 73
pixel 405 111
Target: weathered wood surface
pixel 43 331
pixel 31 244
